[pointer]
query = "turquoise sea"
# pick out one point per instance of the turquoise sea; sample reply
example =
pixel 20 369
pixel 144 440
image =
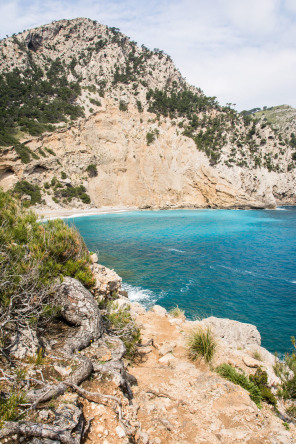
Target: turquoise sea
pixel 232 264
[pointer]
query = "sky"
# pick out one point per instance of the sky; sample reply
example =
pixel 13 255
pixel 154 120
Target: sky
pixel 241 51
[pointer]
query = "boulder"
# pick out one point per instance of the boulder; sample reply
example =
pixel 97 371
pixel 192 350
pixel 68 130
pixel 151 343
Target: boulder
pixel 167 347
pixel 251 362
pixel 25 343
pixel 94 258
pixel 108 283
pixel 236 334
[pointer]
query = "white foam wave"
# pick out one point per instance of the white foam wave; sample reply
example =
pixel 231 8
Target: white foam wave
pixel 187 286
pixel 175 250
pixel 139 294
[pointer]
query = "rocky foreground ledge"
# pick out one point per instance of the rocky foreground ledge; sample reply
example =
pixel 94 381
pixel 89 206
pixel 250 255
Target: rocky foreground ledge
pixel 87 391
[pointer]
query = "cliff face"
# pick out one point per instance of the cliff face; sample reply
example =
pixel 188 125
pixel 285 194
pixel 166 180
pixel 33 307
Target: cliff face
pixel 169 172
pixel 152 139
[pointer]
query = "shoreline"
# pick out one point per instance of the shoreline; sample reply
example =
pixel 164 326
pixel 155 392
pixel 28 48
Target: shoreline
pixel 64 213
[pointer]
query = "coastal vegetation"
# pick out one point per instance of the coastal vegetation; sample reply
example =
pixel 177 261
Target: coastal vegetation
pixel 286 371
pixel 239 378
pixel 202 343
pixel 256 385
pixel 177 312
pixel 33 256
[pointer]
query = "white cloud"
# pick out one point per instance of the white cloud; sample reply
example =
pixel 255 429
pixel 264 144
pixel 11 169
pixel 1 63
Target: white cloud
pixel 240 51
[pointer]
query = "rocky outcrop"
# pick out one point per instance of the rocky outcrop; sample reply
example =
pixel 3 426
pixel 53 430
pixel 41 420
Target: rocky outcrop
pixel 107 282
pixel 174 399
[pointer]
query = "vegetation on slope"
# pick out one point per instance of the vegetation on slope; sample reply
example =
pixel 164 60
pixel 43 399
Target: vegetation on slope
pixel 32 100
pixel 32 256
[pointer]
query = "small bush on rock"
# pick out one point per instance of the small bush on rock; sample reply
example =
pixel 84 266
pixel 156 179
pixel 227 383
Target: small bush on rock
pixel 92 170
pixel 123 325
pixel 261 380
pixel 177 312
pixel 25 188
pixel 286 371
pixel 10 406
pixel 239 378
pixel 202 343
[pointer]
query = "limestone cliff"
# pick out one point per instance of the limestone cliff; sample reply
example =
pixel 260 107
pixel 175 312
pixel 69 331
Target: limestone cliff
pixel 152 140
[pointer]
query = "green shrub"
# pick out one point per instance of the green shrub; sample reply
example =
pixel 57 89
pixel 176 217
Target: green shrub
pixel 92 170
pixel 63 175
pixel 286 371
pixel 10 406
pixel 124 326
pixel 42 152
pixel 256 355
pixel 95 102
pixel 123 106
pixel 139 106
pixel 202 343
pixel 32 257
pixel 150 137
pixel 50 151
pixel 69 192
pixel 291 411
pixel 260 379
pixel 177 312
pixel 25 188
pixel 239 378
pixel 24 152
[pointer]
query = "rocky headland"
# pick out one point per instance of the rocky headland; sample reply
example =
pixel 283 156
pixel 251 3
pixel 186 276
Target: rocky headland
pixel 160 395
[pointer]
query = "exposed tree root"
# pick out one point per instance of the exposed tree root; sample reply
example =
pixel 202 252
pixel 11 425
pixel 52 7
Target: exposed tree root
pixel 80 309
pixel 116 368
pixel 98 397
pixel 150 342
pixel 93 396
pixel 48 392
pixel 30 429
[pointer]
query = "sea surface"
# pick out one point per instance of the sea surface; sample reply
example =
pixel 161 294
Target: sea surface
pixel 233 264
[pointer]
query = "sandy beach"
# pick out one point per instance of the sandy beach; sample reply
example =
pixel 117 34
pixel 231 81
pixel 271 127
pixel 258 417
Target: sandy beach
pixel 47 214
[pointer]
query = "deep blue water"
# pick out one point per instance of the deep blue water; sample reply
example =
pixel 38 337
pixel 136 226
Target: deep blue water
pixel 234 264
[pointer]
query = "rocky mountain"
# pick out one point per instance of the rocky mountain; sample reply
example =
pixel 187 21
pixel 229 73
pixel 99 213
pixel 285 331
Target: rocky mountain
pixel 88 118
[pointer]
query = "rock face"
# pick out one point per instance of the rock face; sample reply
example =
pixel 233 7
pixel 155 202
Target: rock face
pixel 108 283
pixel 170 173
pixel 141 158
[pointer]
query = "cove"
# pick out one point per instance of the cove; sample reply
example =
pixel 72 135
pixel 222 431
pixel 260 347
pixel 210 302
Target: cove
pixel 233 264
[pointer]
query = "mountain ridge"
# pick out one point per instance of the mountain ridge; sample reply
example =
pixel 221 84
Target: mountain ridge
pixel 82 73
